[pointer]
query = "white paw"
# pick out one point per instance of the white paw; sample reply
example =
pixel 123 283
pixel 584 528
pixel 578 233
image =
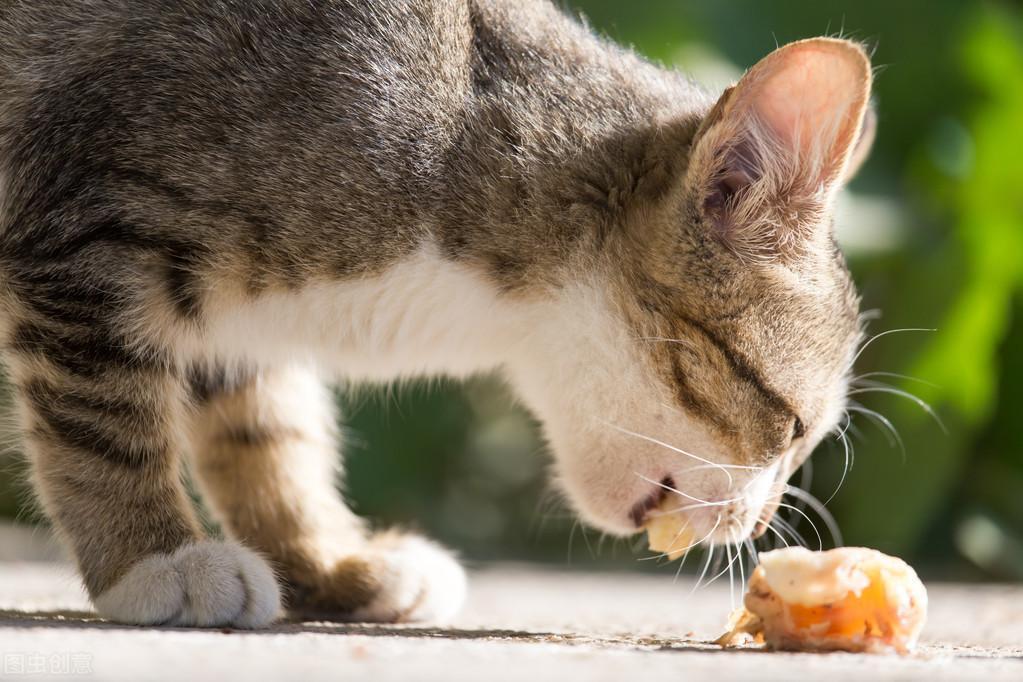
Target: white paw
pixel 419 581
pixel 204 584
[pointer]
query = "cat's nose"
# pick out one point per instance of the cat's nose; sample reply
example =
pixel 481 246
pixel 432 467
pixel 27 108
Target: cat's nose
pixel 642 509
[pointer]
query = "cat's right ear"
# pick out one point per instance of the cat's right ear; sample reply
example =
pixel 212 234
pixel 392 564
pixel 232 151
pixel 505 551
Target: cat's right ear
pixel 770 155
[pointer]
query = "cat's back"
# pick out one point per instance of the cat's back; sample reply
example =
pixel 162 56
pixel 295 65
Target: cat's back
pixel 66 32
pixel 271 115
pixel 263 129
pixel 239 58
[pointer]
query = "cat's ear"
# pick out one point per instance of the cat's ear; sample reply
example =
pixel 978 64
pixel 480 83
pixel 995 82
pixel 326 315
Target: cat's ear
pixel 773 150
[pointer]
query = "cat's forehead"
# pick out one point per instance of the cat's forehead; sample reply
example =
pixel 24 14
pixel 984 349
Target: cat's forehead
pixel 784 330
pixel 796 314
pixel 812 279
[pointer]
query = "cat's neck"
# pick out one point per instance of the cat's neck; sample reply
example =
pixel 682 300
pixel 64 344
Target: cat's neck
pixel 562 135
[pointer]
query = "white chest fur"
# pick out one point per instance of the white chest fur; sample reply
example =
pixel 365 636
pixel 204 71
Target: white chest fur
pixel 423 316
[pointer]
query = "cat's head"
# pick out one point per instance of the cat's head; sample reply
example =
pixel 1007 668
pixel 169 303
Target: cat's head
pixel 715 347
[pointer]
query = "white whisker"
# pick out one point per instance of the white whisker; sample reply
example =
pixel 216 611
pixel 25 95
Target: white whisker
pixel 856 432
pixel 731 575
pixel 752 552
pixel 571 538
pixel 725 466
pixel 685 555
pixel 706 565
pixel 923 405
pixel 688 497
pixel 817 506
pixel 672 448
pixel 892 375
pixel 846 464
pixel 787 527
pixel 586 541
pixel 688 547
pixel 820 541
pixel 848 424
pixel 775 531
pixel 726 569
pixel 885 425
pixel 875 337
pixel 687 507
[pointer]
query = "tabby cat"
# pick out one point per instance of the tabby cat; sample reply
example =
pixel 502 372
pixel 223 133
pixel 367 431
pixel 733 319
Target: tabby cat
pixel 209 208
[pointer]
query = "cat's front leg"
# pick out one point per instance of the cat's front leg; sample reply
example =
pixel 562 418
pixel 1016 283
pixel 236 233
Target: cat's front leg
pixel 102 418
pixel 267 461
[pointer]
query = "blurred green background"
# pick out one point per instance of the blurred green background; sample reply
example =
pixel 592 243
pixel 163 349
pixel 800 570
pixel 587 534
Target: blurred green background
pixel 933 228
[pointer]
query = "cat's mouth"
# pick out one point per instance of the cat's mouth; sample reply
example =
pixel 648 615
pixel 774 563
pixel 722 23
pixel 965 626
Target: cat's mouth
pixel 640 511
pixel 744 510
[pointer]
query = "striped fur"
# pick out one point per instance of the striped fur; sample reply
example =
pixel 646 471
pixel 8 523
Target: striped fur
pixel 209 208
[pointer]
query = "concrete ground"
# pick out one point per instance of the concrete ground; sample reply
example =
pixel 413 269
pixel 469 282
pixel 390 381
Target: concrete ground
pixel 521 623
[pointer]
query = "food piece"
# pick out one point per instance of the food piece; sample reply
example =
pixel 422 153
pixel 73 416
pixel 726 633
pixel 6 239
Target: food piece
pixel 669 533
pixel 848 599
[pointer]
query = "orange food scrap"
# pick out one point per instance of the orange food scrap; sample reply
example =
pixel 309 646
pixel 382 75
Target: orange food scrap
pixel 847 599
pixel 669 534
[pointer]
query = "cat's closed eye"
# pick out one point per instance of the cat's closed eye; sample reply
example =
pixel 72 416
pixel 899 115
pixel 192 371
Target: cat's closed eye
pixel 798 429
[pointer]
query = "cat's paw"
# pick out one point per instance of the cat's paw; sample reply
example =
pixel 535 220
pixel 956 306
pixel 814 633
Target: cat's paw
pixel 418 581
pixel 395 578
pixel 203 584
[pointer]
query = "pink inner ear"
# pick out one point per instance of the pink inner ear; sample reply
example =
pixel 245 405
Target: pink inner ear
pixel 811 97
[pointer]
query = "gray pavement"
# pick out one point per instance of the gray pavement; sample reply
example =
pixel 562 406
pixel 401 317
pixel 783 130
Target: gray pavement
pixel 521 623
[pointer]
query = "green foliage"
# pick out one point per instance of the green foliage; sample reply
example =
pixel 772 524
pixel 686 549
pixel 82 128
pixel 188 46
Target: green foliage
pixel 969 267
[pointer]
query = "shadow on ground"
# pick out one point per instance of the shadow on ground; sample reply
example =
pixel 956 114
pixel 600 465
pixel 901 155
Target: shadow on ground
pixel 73 619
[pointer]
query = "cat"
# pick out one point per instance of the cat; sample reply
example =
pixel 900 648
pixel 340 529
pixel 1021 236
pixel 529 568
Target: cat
pixel 209 208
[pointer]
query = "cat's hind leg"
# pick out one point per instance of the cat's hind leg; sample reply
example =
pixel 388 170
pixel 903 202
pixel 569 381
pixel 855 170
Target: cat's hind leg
pixel 267 460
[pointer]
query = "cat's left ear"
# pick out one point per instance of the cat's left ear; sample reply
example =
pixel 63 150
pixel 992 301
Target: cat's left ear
pixel 776 147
